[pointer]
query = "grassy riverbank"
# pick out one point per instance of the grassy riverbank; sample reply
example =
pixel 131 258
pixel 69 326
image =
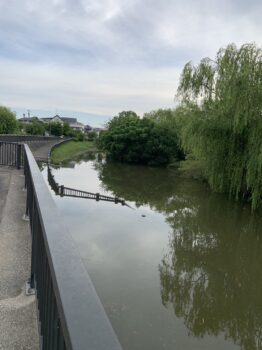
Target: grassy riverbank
pixel 192 169
pixel 70 150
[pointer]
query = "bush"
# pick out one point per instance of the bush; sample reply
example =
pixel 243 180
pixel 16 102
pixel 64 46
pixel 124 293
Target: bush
pixel 131 139
pixel 8 122
pixel 92 136
pixel 35 128
pixel 55 129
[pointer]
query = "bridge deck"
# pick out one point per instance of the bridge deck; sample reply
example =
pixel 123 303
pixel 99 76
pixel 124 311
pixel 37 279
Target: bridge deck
pixel 18 322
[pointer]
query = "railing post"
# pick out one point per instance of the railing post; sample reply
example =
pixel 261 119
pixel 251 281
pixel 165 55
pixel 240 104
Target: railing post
pixel 62 188
pixel 18 156
pixel 34 230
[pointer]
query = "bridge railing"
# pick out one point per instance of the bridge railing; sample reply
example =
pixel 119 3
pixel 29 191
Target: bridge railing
pixel 70 312
pixel 11 154
pixel 71 315
pixel 27 138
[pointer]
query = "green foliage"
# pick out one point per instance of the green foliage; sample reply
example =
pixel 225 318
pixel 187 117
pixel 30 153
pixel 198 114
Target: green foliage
pixel 55 129
pixel 35 127
pixel 223 99
pixel 92 136
pixel 80 137
pixel 171 120
pixel 162 116
pixel 71 150
pixel 67 131
pixel 131 139
pixel 8 122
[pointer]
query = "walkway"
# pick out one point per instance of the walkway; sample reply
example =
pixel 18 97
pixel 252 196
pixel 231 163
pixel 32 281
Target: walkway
pixel 18 322
pixel 41 149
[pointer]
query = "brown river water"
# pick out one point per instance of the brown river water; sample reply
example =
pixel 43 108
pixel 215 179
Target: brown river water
pixel 180 269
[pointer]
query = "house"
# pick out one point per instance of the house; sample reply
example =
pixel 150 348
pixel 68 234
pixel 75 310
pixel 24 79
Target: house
pixel 69 120
pixel 88 128
pixel 77 126
pixel 72 122
pixel 28 120
pixel 98 130
pixel 55 119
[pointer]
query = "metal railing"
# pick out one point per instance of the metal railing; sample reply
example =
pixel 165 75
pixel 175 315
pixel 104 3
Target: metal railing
pixel 71 315
pixel 26 138
pixel 11 154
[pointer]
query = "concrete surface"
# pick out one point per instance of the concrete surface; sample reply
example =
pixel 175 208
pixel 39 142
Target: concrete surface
pixel 41 149
pixel 4 186
pixel 18 321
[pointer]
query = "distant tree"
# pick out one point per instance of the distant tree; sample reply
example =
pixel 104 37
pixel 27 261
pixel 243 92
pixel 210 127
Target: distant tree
pixel 35 127
pixel 162 116
pixel 8 122
pixel 80 136
pixel 68 131
pixel 226 124
pixel 131 139
pixel 91 135
pixel 55 128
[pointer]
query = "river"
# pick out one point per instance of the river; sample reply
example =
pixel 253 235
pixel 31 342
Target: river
pixel 178 269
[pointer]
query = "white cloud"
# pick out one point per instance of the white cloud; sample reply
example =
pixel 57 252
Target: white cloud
pixel 108 55
pixel 107 91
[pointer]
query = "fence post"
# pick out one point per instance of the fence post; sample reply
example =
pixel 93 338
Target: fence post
pixel 18 156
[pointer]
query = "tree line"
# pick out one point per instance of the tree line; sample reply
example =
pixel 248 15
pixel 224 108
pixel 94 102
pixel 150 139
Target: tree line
pixel 218 122
pixel 10 125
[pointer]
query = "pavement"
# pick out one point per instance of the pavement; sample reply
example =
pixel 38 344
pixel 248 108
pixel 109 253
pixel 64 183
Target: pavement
pixel 41 149
pixel 18 315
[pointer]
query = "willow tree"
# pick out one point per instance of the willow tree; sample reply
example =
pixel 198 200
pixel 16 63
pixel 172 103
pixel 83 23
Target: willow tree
pixel 8 122
pixel 226 127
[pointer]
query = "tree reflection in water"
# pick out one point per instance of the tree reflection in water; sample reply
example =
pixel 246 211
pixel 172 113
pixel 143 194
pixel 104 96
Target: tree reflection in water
pixel 211 272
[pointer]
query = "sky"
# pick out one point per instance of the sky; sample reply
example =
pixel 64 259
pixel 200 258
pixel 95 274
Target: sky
pixel 92 59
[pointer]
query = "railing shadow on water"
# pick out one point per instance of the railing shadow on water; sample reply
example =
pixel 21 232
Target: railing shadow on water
pixel 71 192
pixel 64 191
pixel 70 313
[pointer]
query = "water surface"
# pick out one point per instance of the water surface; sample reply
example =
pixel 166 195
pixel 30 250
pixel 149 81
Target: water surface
pixel 178 270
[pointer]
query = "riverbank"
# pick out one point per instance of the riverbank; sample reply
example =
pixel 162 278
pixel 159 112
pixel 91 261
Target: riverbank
pixel 70 150
pixel 191 169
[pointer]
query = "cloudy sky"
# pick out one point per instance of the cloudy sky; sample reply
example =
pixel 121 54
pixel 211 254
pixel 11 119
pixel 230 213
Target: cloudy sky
pixel 99 57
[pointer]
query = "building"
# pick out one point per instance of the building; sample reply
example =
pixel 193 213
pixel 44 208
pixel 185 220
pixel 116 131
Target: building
pixel 28 120
pixel 72 122
pixel 88 128
pixel 77 126
pixel 55 119
pixel 98 130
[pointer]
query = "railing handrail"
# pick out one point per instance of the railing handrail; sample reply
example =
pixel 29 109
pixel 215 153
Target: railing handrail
pixel 27 138
pixel 83 319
